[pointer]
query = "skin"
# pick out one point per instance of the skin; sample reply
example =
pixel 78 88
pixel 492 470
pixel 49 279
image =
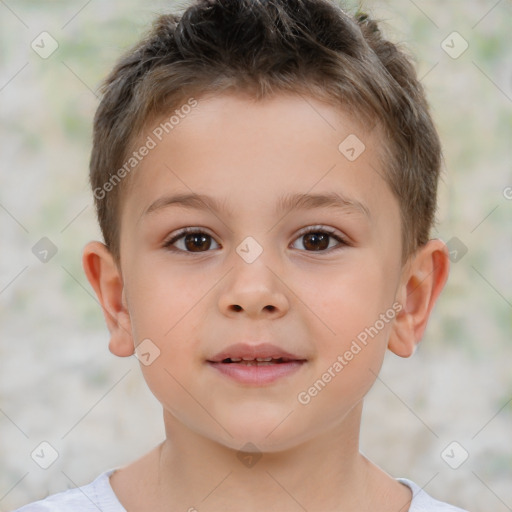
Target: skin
pixel 193 305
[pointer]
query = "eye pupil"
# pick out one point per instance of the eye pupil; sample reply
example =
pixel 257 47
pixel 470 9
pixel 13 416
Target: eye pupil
pixel 315 238
pixel 194 241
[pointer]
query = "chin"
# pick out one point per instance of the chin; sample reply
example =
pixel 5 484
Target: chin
pixel 263 432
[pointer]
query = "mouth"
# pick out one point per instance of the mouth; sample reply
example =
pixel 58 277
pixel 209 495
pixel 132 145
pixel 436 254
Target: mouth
pixel 256 364
pixel 246 353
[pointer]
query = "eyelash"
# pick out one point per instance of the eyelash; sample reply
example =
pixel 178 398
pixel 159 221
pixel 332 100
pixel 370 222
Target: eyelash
pixel 314 229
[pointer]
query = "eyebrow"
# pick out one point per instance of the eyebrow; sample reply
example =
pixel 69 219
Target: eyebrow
pixel 288 202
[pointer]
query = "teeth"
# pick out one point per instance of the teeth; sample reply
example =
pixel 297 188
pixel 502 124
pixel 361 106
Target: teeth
pixel 252 359
pixel 258 360
pixel 261 359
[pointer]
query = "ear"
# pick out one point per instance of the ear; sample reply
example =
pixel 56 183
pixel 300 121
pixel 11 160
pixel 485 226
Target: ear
pixel 423 278
pixel 106 279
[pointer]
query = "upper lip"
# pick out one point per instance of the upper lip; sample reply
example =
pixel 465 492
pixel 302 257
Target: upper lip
pixel 261 351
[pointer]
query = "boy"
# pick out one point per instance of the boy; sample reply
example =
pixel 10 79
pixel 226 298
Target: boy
pixel 265 177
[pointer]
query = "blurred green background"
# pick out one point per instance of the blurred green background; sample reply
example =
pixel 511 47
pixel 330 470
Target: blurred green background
pixel 59 383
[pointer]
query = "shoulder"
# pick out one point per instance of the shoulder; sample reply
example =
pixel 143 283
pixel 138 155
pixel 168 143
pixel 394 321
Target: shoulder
pixel 98 495
pixel 422 502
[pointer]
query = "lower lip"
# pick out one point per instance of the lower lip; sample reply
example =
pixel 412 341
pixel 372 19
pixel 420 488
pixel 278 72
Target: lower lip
pixel 257 374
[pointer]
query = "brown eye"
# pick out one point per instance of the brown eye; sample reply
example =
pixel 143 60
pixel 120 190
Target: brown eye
pixel 197 242
pixel 190 240
pixel 316 239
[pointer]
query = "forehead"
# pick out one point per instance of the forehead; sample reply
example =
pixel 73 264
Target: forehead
pixel 247 154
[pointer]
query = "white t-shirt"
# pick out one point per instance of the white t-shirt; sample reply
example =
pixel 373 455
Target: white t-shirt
pixel 99 495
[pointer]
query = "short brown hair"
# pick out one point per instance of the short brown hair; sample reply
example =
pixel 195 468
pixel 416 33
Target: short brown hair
pixel 262 47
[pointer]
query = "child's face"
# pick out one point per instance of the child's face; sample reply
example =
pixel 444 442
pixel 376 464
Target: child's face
pixel 311 303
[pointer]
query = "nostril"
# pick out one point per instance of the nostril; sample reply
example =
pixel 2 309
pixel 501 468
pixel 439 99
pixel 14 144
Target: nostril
pixel 236 307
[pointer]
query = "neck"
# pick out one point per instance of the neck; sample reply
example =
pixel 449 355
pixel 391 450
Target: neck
pixel 191 472
pixel 323 473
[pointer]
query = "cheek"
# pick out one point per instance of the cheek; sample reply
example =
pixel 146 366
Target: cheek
pixel 164 312
pixel 355 297
pixel 162 301
pixel 348 363
pixel 357 317
pixel 163 309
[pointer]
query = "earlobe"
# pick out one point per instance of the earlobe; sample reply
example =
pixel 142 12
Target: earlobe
pixel 423 279
pixel 106 280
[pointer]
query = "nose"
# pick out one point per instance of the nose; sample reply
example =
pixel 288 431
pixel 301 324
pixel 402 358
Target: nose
pixel 254 289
